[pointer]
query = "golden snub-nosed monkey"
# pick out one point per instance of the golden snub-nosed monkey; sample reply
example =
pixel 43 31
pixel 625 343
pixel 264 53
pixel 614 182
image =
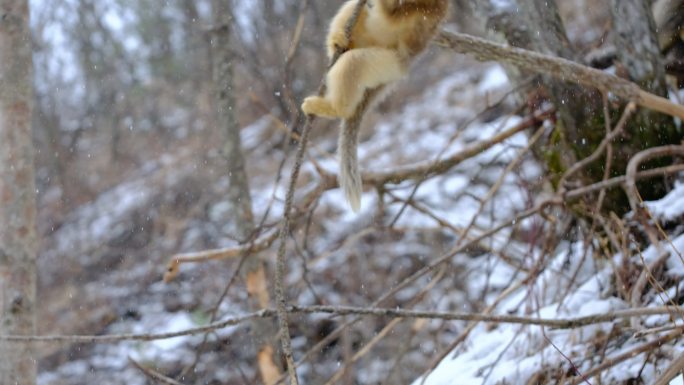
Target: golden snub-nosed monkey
pixel 387 36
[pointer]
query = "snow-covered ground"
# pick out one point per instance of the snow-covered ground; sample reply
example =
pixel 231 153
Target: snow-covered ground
pixel 512 354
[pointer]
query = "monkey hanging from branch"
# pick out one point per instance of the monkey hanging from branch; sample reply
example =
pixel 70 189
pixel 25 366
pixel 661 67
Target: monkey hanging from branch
pixel 387 37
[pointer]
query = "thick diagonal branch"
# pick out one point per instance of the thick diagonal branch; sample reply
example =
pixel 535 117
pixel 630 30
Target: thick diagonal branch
pixel 560 68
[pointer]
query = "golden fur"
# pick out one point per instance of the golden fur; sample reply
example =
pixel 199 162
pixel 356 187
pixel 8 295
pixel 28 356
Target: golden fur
pixel 387 36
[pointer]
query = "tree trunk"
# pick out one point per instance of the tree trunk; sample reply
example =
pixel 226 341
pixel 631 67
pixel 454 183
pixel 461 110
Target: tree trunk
pixel 637 45
pixel 522 23
pixel 254 270
pixel 17 195
pixel 575 105
pixel 640 60
pixel 669 17
pixel 536 25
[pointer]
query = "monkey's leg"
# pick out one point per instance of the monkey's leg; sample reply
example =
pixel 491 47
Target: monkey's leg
pixel 356 71
pixel 316 105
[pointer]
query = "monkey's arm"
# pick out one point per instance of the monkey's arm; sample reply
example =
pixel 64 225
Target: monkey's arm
pixel 336 36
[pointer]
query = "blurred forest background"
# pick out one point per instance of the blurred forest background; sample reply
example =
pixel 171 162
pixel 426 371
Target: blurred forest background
pixel 168 127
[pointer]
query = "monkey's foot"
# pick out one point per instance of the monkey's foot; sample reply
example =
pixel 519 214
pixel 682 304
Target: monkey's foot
pixel 316 105
pixel 338 41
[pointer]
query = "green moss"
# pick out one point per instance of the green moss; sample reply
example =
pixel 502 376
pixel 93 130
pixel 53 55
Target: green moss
pixel 552 156
pixel 200 317
pixel 644 130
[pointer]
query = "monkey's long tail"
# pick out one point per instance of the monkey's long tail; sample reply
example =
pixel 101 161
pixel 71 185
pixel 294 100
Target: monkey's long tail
pixel 350 175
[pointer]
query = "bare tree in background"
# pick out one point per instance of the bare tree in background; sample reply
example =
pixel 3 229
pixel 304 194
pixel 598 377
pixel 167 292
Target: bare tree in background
pixel 254 269
pixel 17 194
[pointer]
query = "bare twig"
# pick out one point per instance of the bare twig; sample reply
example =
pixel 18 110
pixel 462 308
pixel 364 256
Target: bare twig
pixel 656 330
pixel 556 323
pixel 619 180
pixel 153 374
pixel 281 301
pixel 288 94
pixel 612 361
pixel 114 338
pixel 644 278
pixel 567 359
pixel 609 155
pixel 633 165
pixel 260 244
pixel 672 371
pixel 627 113
pixel 422 170
pixel 649 268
